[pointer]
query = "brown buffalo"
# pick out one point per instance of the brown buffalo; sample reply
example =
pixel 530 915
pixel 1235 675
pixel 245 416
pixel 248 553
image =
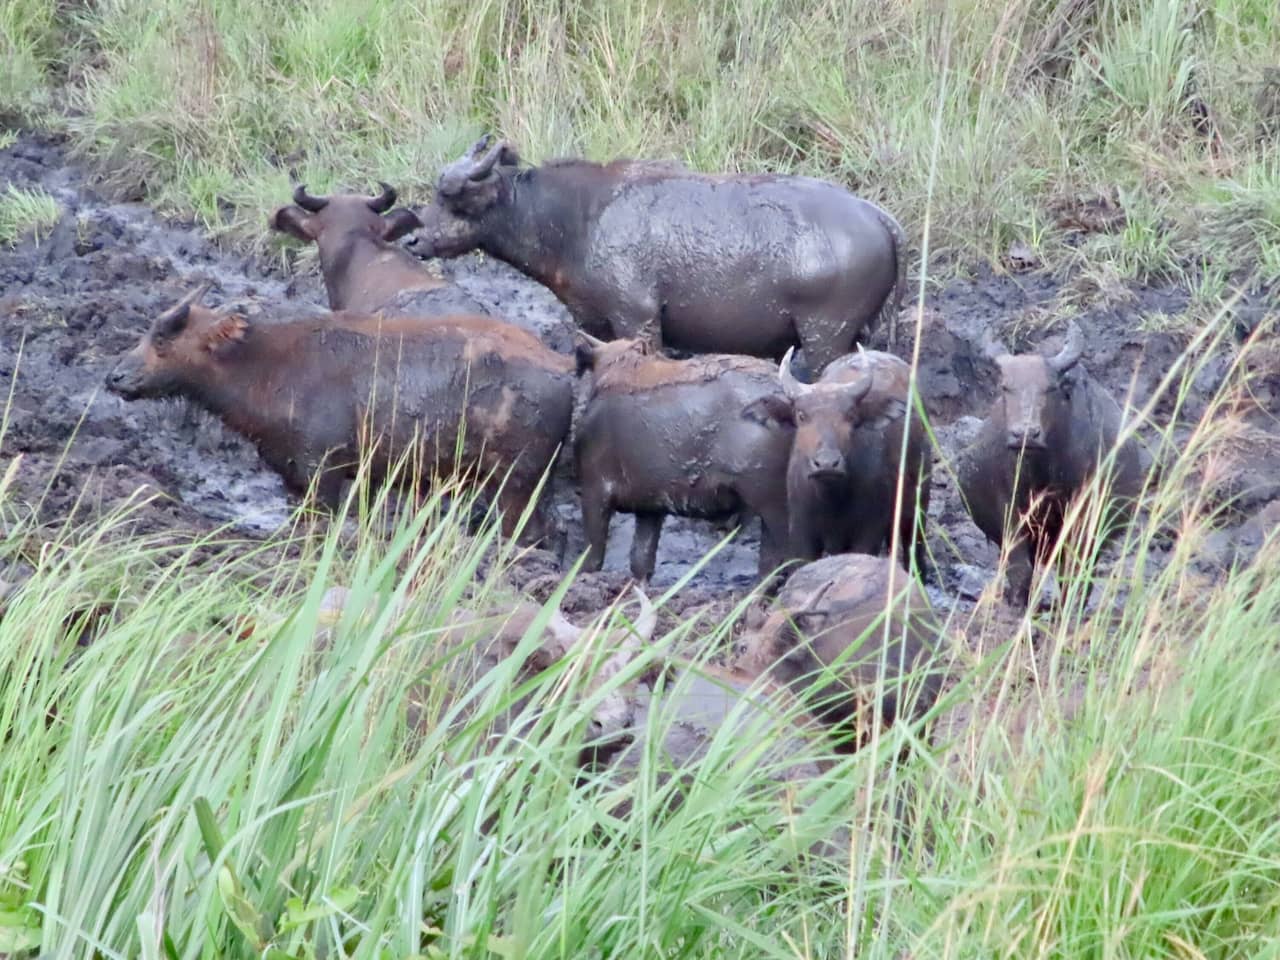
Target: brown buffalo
pixel 706 263
pixel 842 476
pixel 364 268
pixel 855 638
pixel 660 436
pixel 1041 443
pixel 316 393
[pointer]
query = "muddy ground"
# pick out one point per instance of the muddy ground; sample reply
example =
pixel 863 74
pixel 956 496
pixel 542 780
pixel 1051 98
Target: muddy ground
pixel 85 291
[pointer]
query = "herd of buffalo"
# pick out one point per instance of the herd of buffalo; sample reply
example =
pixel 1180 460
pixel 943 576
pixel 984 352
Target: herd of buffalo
pixel 719 372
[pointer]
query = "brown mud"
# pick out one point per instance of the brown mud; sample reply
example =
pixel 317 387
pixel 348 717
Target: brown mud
pixel 82 293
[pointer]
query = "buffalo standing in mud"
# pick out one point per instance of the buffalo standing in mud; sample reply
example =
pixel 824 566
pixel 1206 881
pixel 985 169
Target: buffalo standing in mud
pixel 746 264
pixel 317 393
pixel 855 638
pixel 1042 442
pixel 842 475
pixel 364 268
pixel 661 436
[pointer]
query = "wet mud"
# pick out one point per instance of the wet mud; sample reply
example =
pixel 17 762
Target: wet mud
pixel 82 293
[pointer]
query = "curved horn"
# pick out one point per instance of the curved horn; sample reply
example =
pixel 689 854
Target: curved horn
pixel 306 201
pixel 385 200
pixel 588 339
pixel 481 168
pixel 861 388
pixel 647 619
pixel 1069 355
pixel 790 385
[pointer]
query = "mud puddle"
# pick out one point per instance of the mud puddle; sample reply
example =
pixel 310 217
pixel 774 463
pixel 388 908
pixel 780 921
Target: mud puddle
pixel 72 302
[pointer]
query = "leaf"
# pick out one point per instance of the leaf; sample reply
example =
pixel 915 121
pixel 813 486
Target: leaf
pixel 296 914
pixel 209 832
pixel 240 910
pixel 19 931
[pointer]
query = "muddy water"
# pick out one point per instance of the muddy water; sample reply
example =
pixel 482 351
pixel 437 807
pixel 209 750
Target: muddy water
pixel 85 292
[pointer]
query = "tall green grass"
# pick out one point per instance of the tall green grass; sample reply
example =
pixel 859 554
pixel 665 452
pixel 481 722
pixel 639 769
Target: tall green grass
pixel 1044 104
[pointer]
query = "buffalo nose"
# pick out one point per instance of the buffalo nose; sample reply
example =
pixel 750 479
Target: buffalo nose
pixel 826 461
pixel 1028 436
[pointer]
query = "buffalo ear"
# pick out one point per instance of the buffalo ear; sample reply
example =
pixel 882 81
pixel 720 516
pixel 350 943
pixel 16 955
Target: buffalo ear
pixel 294 221
pixel 772 407
pixel 399 222
pixel 509 157
pixel 225 332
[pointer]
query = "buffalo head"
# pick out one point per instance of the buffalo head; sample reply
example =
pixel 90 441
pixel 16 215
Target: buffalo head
pixel 1035 392
pixel 466 191
pixel 334 219
pixel 599 355
pixel 824 415
pixel 185 342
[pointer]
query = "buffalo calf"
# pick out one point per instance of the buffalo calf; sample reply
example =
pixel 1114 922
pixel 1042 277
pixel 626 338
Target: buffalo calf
pixel 316 393
pixel 364 268
pixel 1041 443
pixel 842 475
pixel 660 436
pixel 855 638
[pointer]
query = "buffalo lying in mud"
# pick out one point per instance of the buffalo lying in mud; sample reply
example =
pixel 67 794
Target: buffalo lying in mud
pixel 364 268
pixel 747 264
pixel 472 643
pixel 316 393
pixel 659 436
pixel 829 640
pixel 842 476
pixel 1042 442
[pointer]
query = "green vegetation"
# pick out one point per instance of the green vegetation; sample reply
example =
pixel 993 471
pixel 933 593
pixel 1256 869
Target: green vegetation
pixel 1138 119
pixel 23 211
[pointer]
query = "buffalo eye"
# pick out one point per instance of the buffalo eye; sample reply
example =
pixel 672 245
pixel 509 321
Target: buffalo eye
pixel 801 417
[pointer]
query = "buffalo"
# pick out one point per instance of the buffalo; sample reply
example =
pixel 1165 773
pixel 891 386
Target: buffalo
pixel 659 435
pixel 1042 441
pixel 854 636
pixel 702 263
pixel 364 268
pixel 843 471
pixel 316 393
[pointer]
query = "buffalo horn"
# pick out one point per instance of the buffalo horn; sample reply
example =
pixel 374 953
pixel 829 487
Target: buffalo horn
pixel 790 385
pixel 385 200
pixel 1069 355
pixel 481 168
pixel 306 201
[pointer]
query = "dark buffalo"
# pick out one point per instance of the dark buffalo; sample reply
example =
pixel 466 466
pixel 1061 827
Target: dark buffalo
pixel 1040 445
pixel 315 393
pixel 843 473
pixel 748 264
pixel 855 638
pixel 364 268
pixel 660 436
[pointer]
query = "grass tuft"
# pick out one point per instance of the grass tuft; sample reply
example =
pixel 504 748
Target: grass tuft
pixel 26 211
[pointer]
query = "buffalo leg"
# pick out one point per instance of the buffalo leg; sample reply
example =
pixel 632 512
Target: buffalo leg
pixel 773 550
pixel 597 511
pixel 644 545
pixel 1017 590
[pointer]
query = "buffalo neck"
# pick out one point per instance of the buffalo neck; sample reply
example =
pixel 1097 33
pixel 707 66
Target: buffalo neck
pixel 538 223
pixel 244 391
pixel 353 255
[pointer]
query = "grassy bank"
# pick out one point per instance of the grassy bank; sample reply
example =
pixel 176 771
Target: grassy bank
pixel 1142 122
